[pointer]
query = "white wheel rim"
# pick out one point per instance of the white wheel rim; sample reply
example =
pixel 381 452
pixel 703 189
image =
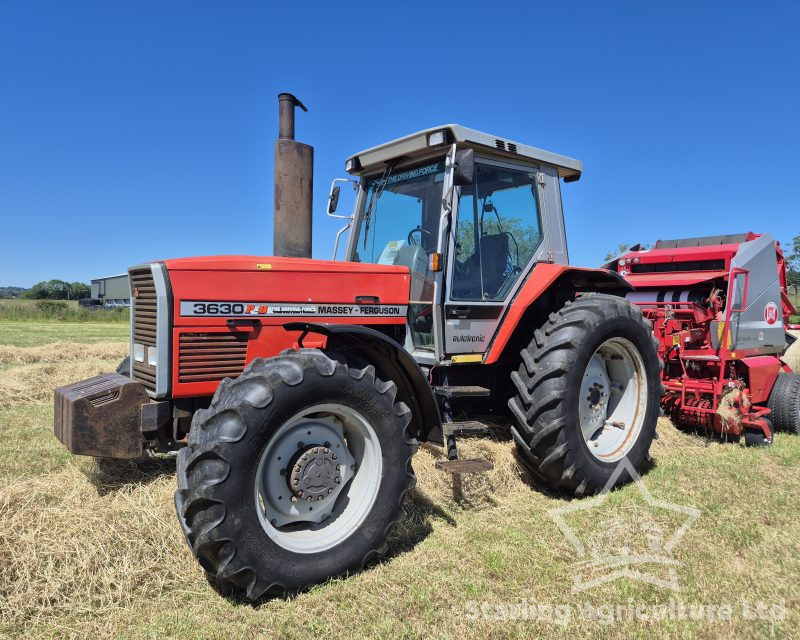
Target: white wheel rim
pixel 613 399
pixel 310 526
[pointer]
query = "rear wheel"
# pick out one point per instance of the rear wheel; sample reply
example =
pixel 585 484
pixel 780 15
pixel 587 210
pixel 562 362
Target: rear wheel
pixel 784 402
pixel 294 474
pixel 588 394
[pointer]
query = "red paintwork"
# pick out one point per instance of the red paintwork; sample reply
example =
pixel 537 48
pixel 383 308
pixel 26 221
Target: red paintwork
pixel 672 280
pixel 762 371
pixel 695 374
pixel 542 277
pixel 239 278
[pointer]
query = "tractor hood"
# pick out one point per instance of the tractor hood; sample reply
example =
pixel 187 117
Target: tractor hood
pixel 206 289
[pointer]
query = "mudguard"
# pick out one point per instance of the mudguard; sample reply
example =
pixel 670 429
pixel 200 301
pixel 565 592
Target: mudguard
pixel 391 362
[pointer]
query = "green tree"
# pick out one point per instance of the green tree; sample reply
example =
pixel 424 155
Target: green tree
pixel 623 248
pixel 793 262
pixel 58 290
pixel 79 290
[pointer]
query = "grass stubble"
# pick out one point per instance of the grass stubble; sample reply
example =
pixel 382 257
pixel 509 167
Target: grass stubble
pixel 93 548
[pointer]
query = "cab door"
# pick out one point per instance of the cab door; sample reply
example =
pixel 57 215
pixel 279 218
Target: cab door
pixel 497 237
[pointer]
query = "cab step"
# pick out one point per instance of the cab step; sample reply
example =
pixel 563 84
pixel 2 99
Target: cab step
pixel 465 428
pixel 468 391
pixel 476 465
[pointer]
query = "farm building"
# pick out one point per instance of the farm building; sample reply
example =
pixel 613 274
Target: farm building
pixel 113 291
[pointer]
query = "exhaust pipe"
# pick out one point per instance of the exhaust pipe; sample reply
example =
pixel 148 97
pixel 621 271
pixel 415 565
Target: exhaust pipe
pixel 294 185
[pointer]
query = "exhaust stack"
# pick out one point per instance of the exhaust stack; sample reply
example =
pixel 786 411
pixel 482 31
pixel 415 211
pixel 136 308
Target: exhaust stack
pixel 294 185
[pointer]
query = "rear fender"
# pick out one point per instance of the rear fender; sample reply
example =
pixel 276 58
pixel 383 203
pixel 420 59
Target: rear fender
pixel 391 362
pixel 547 288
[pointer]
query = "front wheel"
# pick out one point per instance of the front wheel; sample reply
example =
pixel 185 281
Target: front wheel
pixel 588 394
pixel 294 474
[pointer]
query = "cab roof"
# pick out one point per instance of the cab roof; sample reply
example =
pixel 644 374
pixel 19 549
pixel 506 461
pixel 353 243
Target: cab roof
pixel 417 144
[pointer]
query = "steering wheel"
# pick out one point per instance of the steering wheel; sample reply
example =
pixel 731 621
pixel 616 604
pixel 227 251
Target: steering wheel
pixel 419 230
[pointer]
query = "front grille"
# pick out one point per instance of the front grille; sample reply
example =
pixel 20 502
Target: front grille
pixel 209 357
pixel 143 321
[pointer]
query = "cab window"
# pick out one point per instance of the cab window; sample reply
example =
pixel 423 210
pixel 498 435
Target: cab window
pixel 497 233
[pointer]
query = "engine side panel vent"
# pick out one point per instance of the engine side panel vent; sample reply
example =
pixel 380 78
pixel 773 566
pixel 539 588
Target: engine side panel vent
pixel 209 357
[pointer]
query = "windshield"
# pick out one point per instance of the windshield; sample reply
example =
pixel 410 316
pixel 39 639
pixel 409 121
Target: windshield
pixel 401 209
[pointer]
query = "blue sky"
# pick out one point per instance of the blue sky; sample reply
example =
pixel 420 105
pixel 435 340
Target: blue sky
pixel 132 131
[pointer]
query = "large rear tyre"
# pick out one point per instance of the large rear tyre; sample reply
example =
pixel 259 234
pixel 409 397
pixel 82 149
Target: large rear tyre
pixel 294 474
pixel 588 394
pixel 784 402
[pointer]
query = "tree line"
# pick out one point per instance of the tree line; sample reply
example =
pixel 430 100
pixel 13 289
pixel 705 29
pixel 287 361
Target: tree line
pixel 49 290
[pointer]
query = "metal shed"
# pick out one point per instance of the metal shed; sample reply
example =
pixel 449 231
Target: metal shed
pixel 114 291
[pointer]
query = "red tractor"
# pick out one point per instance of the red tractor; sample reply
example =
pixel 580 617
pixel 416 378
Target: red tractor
pixel 296 390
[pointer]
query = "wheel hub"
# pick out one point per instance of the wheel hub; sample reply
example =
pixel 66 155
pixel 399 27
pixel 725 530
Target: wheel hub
pixel 612 401
pixel 314 473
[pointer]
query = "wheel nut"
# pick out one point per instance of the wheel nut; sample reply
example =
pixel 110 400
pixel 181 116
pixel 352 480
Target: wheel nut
pixel 330 491
pixel 293 498
pixel 337 479
pixel 309 498
pixel 334 457
pixel 316 450
pixel 319 498
pixel 338 466
pixel 326 450
pixel 296 482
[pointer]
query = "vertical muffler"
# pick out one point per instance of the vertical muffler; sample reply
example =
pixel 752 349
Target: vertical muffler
pixel 294 185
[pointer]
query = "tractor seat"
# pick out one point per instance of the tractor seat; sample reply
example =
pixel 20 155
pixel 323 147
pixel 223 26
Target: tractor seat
pixel 495 254
pixel 414 257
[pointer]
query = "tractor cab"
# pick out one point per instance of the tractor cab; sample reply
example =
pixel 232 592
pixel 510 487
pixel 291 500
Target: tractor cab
pixel 469 214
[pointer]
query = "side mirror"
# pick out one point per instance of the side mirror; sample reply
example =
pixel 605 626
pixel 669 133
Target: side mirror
pixel 464 171
pixel 333 199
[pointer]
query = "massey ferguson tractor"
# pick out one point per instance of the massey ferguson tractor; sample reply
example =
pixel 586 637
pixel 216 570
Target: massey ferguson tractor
pixel 295 391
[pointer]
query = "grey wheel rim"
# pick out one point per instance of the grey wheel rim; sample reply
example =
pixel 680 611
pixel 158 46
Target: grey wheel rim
pixel 318 478
pixel 613 399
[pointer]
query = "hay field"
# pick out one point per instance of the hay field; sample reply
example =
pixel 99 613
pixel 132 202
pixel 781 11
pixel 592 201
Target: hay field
pixel 90 549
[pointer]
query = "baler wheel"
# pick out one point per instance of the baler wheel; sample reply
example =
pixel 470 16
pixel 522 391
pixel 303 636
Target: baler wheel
pixel 588 394
pixel 296 473
pixel 784 402
pixel 756 438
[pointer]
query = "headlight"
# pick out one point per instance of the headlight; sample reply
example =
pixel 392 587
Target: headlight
pixel 152 356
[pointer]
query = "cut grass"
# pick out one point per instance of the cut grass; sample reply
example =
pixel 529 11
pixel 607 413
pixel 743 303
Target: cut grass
pixel 94 549
pixel 34 334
